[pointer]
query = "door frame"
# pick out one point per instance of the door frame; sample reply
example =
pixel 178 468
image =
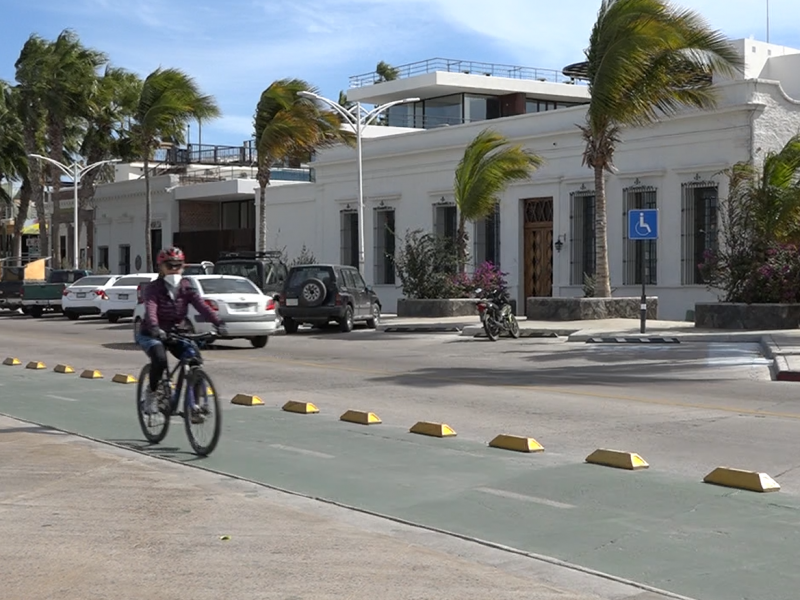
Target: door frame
pixel 529 226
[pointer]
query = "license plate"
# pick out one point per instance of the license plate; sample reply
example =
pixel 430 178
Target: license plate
pixel 122 296
pixel 81 295
pixel 291 302
pixel 241 307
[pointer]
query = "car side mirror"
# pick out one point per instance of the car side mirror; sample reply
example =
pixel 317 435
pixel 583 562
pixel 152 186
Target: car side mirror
pixel 369 289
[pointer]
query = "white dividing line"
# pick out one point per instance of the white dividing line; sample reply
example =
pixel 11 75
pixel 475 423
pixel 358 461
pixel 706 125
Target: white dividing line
pixel 63 398
pixel 301 451
pixel 524 498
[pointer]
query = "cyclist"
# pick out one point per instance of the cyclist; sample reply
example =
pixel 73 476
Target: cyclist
pixel 166 302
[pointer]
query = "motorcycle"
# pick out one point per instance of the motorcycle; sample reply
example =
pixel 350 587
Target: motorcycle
pixel 494 309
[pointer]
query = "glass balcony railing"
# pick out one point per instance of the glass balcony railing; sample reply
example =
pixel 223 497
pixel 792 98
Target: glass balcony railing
pixel 468 67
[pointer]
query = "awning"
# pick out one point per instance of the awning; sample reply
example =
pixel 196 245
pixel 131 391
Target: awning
pixel 31 227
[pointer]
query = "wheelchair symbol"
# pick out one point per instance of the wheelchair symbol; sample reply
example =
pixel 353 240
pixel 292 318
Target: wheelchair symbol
pixel 641 227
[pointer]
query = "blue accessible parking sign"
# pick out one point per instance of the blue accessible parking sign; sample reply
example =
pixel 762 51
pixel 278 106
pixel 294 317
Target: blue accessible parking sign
pixel 643 224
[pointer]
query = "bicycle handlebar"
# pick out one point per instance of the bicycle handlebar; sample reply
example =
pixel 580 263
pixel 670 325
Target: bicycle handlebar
pixel 193 337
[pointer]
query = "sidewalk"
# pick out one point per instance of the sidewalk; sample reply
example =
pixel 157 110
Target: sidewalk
pixel 82 519
pixel 782 346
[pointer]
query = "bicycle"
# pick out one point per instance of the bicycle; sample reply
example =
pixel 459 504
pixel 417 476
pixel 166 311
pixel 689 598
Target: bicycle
pixel 200 393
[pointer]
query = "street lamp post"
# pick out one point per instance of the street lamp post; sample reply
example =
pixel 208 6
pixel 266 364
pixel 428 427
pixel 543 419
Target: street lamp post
pixel 75 171
pixel 358 122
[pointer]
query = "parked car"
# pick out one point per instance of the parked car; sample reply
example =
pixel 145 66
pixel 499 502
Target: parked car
pixel 248 312
pixel 265 269
pixel 121 296
pixel 84 297
pixel 318 294
pixel 202 268
pixel 38 296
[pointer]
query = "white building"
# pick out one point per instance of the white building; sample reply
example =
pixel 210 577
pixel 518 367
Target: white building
pixel 673 166
pixel 542 233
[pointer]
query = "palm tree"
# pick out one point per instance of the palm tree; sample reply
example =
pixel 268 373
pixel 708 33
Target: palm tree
pixel 289 127
pixel 110 104
pixel 31 111
pixel 646 59
pixel 168 100
pixel 489 164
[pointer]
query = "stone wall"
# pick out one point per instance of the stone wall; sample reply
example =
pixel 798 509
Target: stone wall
pixel 732 315
pixel 579 309
pixel 436 308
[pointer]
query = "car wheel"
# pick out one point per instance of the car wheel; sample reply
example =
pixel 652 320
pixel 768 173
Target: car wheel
pixel 346 322
pixel 71 315
pixel 113 318
pixel 375 320
pixel 312 293
pixel 259 341
pixel 289 325
pixel 36 312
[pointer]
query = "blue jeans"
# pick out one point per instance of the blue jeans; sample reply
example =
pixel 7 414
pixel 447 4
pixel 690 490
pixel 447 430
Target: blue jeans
pixel 157 351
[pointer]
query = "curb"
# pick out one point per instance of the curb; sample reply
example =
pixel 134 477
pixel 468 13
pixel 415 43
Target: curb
pixel 476 331
pixel 633 340
pixel 422 329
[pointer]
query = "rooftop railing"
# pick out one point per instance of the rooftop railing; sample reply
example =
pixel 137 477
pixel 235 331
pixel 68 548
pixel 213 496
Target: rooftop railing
pixel 468 67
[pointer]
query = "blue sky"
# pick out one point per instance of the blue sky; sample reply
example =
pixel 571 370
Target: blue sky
pixel 235 48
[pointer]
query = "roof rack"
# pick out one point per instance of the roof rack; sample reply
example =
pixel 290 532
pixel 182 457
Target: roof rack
pixel 252 254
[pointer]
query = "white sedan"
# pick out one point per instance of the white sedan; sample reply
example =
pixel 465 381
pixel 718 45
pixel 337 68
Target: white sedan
pixel 248 312
pixel 84 297
pixel 120 298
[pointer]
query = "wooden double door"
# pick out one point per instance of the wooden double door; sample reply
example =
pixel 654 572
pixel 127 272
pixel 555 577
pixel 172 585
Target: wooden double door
pixel 538 246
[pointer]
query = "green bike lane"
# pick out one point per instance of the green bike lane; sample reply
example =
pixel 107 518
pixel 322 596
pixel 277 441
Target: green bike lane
pixel 672 533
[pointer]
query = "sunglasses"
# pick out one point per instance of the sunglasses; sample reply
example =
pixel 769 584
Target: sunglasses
pixel 174 266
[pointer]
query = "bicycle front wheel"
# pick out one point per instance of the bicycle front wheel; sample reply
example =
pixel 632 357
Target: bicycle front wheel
pixel 155 426
pixel 204 422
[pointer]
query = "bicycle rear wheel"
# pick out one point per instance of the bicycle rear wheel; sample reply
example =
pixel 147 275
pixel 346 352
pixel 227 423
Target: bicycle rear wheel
pixel 154 427
pixel 204 434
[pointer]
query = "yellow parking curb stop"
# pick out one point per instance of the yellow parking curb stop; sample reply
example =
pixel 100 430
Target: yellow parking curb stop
pixel 303 408
pixel 64 369
pixel 91 374
pixel 433 429
pixel 516 443
pixel 12 362
pixel 35 364
pixel 361 417
pixel 123 378
pixel 744 480
pixel 247 400
pixel 617 459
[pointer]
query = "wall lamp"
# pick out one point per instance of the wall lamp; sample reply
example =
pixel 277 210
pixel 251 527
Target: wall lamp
pixel 559 243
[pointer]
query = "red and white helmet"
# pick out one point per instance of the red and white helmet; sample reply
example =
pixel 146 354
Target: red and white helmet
pixel 171 255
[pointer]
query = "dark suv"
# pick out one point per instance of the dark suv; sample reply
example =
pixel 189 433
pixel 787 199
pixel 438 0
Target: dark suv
pixel 318 294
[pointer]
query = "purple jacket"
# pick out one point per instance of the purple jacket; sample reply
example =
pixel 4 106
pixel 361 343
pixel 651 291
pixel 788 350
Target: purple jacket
pixel 161 311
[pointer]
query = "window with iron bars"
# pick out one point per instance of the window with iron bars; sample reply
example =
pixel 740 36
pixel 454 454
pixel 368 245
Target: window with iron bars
pixel 699 227
pixel 487 238
pixel 636 252
pixel 445 220
pixel 349 243
pixel 384 246
pixel 583 257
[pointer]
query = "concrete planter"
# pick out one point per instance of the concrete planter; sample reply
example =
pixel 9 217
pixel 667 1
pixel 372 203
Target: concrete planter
pixel 454 307
pixel 579 309
pixel 738 315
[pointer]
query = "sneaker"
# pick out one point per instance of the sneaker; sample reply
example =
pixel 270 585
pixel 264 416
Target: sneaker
pixel 197 416
pixel 151 403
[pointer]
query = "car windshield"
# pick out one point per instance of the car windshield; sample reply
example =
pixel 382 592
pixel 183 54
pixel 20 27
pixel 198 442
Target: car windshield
pixel 132 281
pixel 91 281
pixel 227 286
pixel 240 269
pixel 301 274
pixel 194 270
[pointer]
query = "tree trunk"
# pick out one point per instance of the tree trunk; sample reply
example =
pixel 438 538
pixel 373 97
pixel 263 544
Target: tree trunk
pixel 603 280
pixel 262 224
pixel 55 135
pixel 461 243
pixel 19 218
pixel 35 178
pixel 148 242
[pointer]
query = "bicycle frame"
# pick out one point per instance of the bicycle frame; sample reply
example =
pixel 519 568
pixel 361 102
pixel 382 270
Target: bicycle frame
pixel 186 364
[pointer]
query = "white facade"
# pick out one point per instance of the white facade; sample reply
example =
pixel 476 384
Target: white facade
pixel 413 172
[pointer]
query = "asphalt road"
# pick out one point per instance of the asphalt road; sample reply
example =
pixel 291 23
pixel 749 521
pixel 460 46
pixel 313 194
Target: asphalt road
pixel 685 408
